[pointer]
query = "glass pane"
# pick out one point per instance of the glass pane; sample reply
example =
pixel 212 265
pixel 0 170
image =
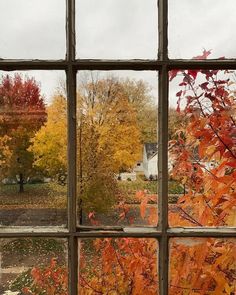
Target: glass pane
pixel 33 145
pixel 202 266
pixel 117 147
pixel 33 266
pixel 202 154
pixel 194 25
pixel 116 29
pixel 118 266
pixel 32 29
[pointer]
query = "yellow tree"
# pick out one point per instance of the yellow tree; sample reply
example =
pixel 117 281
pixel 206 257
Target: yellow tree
pixel 139 96
pixel 109 109
pixel 96 181
pixel 5 153
pixel 50 142
pixel 121 132
pixel 108 140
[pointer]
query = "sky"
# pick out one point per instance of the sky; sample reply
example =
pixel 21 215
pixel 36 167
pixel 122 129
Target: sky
pixel 115 29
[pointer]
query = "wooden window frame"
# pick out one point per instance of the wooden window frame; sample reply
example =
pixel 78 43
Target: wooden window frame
pixel 71 65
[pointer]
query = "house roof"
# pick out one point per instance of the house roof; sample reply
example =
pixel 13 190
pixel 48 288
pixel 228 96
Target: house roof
pixel 151 149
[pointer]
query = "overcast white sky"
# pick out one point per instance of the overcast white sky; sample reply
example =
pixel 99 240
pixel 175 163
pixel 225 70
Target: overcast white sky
pixel 115 29
pixel 198 24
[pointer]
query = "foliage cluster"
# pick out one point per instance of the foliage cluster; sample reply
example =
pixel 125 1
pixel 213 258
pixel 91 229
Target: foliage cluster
pixel 119 266
pixel 204 149
pixel 50 280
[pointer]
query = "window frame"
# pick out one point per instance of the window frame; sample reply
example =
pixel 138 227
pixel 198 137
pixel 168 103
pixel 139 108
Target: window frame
pixel 71 65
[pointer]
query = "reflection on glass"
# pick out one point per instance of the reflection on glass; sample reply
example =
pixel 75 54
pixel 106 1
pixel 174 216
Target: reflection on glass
pixel 32 29
pixel 118 266
pixel 117 148
pixel 194 25
pixel 33 266
pixel 202 155
pixel 202 266
pixel 120 29
pixel 32 150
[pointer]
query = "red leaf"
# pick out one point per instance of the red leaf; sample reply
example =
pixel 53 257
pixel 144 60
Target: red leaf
pixel 173 74
pixel 193 73
pixel 178 94
pixel 204 55
pixel 204 85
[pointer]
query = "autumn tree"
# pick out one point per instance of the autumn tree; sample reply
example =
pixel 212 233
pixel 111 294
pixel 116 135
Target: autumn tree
pixel 96 181
pixel 108 139
pixel 105 106
pixel 49 146
pixel 22 114
pixel 140 97
pixel 204 161
pixel 204 152
pixel 108 106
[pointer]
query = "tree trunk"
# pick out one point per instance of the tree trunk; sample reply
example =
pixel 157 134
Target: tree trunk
pixel 21 183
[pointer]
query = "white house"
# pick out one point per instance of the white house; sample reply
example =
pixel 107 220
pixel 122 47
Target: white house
pixel 150 160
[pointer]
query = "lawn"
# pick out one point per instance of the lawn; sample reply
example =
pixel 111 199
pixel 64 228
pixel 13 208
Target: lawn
pixel 40 195
pixel 53 195
pixel 128 189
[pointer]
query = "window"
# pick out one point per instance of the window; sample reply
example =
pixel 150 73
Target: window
pixel 160 246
